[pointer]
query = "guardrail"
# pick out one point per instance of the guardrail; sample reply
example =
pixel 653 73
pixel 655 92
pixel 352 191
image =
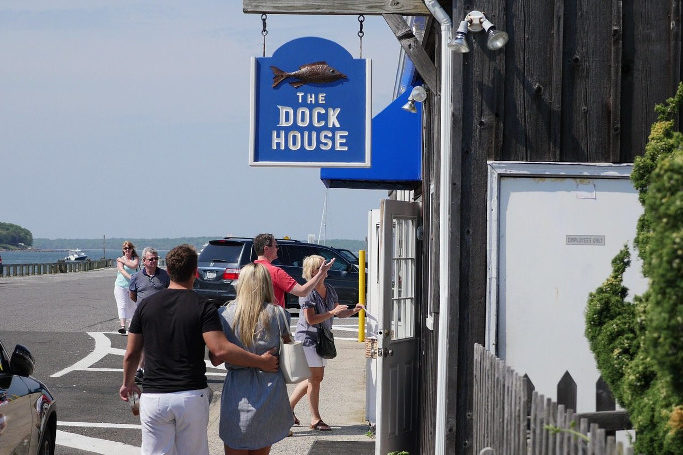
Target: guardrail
pixel 10 270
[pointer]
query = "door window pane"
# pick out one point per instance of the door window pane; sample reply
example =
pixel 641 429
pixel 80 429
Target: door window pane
pixel 403 278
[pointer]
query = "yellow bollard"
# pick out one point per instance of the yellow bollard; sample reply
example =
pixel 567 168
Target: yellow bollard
pixel 361 295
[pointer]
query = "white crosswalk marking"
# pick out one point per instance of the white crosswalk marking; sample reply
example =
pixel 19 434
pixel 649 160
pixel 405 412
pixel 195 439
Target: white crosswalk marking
pixel 86 443
pixel 102 349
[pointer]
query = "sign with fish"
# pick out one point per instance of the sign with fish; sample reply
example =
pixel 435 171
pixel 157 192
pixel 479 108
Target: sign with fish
pixel 311 105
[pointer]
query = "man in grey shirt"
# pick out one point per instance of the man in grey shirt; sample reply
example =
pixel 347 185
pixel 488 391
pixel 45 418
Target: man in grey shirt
pixel 150 280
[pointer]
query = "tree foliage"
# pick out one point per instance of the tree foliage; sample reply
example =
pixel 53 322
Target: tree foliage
pixel 638 345
pixel 13 235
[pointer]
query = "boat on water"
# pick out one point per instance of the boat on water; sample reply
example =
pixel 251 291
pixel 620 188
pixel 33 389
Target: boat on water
pixel 76 255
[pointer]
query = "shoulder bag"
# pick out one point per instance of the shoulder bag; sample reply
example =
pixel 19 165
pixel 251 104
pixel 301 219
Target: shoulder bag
pixel 293 362
pixel 325 346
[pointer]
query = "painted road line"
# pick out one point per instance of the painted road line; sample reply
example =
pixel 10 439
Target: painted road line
pixel 102 348
pixel 345 339
pixel 130 426
pixel 88 444
pixel 345 329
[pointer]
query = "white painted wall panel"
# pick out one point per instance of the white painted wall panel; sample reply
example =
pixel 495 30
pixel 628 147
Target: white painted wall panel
pixel 543 283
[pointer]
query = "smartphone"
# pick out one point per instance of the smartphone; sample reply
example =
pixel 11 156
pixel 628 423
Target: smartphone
pixel 351 306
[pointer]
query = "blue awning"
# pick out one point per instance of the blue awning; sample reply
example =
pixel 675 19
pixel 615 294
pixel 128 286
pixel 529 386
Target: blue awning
pixel 396 152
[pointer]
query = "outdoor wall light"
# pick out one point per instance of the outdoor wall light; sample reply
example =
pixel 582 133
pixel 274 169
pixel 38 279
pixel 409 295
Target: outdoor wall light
pixel 459 44
pixel 418 94
pixel 476 21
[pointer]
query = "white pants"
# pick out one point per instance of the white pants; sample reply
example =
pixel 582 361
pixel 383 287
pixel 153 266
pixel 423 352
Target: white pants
pixel 124 304
pixel 175 423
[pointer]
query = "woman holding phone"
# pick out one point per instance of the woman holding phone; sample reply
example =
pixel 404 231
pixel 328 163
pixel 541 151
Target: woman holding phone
pixel 318 307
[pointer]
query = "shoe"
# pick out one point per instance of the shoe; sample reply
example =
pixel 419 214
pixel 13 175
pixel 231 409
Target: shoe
pixel 291 433
pixel 321 426
pixel 139 376
pixel 122 330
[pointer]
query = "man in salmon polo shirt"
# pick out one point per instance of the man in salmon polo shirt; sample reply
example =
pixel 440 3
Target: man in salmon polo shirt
pixel 266 247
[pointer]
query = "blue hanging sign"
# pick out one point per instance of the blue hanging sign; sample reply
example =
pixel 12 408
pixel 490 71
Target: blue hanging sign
pixel 310 107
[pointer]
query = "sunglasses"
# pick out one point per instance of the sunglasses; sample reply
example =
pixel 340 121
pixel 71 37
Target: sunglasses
pixel 153 259
pixel 127 248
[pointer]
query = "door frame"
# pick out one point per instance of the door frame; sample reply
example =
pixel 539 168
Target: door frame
pixel 497 170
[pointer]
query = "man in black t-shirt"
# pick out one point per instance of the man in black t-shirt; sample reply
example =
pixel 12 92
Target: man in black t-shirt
pixel 174 326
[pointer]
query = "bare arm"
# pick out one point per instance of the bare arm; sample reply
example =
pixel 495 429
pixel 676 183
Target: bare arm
pixel 316 318
pixel 119 266
pixel 225 351
pixel 131 359
pixel 302 290
pixel 130 263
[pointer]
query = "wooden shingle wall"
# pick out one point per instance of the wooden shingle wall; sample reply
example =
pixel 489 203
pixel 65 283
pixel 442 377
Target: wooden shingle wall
pixel 577 82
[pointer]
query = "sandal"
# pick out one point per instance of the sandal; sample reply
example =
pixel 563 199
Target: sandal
pixel 321 426
pixel 122 330
pixel 296 421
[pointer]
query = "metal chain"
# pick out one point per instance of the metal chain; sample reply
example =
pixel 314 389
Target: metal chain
pixel 361 19
pixel 264 32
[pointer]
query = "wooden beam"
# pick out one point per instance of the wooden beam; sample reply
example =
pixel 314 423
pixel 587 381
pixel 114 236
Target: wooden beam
pixel 336 7
pixel 414 50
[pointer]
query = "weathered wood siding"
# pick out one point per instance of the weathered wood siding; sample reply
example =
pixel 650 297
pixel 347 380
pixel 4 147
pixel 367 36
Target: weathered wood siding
pixel 577 82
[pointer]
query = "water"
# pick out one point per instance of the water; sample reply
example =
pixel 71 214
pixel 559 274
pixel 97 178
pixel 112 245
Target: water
pixel 52 256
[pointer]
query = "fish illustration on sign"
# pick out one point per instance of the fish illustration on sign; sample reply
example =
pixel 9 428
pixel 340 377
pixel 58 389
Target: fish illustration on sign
pixel 310 73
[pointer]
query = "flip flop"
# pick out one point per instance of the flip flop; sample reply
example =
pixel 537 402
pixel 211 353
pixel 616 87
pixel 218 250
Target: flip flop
pixel 321 426
pixel 296 421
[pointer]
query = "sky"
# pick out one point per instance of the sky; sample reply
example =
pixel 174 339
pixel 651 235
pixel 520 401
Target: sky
pixel 130 118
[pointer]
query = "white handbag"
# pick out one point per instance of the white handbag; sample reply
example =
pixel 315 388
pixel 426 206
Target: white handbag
pixel 293 362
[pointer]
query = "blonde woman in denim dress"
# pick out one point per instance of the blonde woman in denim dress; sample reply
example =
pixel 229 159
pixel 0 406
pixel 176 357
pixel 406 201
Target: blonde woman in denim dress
pixel 255 410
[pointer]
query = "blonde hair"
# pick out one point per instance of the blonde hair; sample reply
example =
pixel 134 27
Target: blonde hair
pixel 311 264
pixel 254 293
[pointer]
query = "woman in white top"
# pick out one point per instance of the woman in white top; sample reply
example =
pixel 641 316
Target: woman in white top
pixel 126 266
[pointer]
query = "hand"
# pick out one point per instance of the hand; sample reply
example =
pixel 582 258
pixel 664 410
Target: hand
pixel 270 361
pixel 345 314
pixel 339 311
pixel 125 390
pixel 326 266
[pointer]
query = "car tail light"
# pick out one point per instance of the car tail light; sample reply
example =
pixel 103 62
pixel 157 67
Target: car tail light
pixel 196 273
pixel 231 274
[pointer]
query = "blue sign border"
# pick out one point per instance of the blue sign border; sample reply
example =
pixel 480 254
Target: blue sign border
pixel 266 100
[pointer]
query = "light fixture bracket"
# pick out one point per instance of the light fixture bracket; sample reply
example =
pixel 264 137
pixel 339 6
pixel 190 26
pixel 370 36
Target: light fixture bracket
pixel 474 20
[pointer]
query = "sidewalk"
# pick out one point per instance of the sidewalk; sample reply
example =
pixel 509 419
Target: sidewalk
pixel 342 406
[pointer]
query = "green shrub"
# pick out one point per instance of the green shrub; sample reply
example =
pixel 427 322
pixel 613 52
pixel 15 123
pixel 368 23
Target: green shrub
pixel 638 345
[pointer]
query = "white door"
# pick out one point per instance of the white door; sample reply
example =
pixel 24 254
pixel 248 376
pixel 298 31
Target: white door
pixel 554 230
pixel 397 345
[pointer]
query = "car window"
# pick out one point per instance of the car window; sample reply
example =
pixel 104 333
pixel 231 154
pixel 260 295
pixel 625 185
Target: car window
pixel 221 251
pixel 293 255
pixel 339 263
pixel 349 256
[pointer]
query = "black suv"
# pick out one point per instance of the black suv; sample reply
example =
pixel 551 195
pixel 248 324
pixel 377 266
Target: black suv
pixel 221 260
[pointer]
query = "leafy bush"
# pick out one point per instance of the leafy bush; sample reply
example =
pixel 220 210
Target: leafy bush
pixel 638 345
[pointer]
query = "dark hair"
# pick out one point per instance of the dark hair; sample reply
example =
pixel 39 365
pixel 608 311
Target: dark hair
pixel 181 262
pixel 261 241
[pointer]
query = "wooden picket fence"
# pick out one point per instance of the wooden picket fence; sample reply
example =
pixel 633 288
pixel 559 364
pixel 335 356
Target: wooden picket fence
pixel 511 419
